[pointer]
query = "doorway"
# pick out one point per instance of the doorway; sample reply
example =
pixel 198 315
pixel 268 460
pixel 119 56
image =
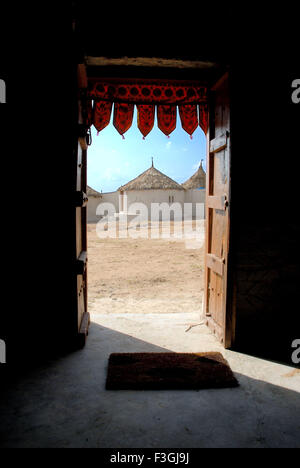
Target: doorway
pixel 216 255
pixel 146 270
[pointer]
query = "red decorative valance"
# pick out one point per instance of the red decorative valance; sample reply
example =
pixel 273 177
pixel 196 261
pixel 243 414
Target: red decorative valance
pixel 147 92
pixel 166 118
pixel 123 115
pixel 145 118
pixel 190 98
pixel 189 118
pixel 203 116
pixel 101 114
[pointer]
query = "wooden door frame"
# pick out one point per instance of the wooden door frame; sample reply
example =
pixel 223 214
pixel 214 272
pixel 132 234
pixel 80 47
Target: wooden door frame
pixel 82 320
pixel 228 302
pixel 226 336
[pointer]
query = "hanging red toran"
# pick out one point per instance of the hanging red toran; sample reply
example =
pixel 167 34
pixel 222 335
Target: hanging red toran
pixel 148 96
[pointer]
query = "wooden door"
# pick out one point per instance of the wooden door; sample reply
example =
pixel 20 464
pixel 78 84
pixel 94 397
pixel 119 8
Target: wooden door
pixel 81 216
pixel 216 305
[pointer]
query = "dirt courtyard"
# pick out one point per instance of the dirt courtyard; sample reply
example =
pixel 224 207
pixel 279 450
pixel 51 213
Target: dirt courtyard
pixel 146 275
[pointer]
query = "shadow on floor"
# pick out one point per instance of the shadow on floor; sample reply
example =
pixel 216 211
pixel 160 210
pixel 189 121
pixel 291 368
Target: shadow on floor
pixel 63 403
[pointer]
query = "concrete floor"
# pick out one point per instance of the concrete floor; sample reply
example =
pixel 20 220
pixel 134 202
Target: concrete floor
pixel 65 404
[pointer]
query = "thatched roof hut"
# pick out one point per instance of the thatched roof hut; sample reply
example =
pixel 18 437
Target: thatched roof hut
pixel 198 180
pixel 151 179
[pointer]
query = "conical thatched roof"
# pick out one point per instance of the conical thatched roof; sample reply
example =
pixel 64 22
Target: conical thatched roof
pixel 151 179
pixel 198 180
pixel 92 193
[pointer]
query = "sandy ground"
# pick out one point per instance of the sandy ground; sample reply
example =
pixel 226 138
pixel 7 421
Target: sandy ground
pixel 146 275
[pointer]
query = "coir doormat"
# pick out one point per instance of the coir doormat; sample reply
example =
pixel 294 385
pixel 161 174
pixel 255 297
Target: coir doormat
pixel 166 371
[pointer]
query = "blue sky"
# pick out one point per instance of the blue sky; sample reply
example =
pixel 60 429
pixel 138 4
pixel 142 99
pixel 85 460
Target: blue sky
pixel 113 161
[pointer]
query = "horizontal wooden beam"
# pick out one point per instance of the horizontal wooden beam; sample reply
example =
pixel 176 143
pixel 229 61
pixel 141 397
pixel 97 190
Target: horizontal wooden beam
pixel 218 144
pixel 215 263
pixel 148 61
pixel 217 202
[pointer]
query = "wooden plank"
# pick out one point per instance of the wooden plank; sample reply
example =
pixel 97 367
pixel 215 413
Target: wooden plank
pixel 82 135
pixel 210 172
pixel 218 144
pixel 217 226
pixel 148 62
pixel 79 167
pixel 217 202
pixel 215 328
pixel 80 305
pixel 82 76
pixel 208 213
pixel 80 200
pixel 80 284
pixel 84 326
pixel 215 263
pixel 78 232
pixel 83 143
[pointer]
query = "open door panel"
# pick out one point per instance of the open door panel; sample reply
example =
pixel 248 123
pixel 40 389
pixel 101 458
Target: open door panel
pixel 218 214
pixel 81 200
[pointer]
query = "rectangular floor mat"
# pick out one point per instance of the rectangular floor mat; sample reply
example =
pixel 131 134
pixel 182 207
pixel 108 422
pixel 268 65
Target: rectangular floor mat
pixel 158 371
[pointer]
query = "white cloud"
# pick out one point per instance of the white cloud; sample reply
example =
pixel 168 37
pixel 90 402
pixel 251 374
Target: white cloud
pixel 168 145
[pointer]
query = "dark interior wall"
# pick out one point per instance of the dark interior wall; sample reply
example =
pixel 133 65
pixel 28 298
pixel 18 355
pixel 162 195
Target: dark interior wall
pixel 186 31
pixel 265 222
pixel 37 139
pixel 37 128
